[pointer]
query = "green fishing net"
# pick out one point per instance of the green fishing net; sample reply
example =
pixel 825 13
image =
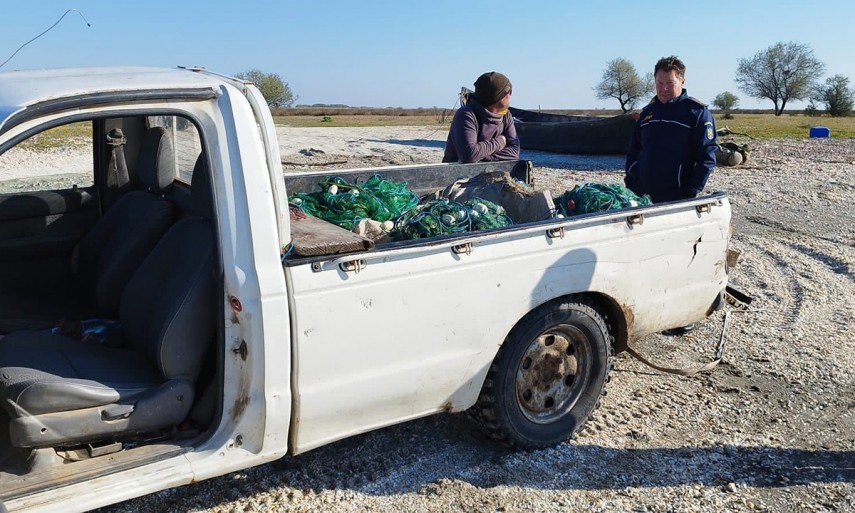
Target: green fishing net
pixel 345 204
pixel 441 217
pixel 597 197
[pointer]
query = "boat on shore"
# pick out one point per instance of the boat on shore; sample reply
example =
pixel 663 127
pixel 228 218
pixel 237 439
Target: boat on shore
pixel 559 133
pixel 573 134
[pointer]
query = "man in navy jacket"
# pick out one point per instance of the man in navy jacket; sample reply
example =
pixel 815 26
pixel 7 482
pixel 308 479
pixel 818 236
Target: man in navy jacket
pixel 483 129
pixel 672 150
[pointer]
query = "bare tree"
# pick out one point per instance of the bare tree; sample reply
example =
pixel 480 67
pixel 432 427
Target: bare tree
pixel 782 72
pixel 276 91
pixel 726 101
pixel 622 82
pixel 837 96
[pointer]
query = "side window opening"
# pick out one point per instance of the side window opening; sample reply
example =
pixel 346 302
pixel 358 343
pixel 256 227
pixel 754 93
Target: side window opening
pixel 55 159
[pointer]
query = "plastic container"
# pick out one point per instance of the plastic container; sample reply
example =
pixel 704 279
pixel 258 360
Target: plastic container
pixel 820 131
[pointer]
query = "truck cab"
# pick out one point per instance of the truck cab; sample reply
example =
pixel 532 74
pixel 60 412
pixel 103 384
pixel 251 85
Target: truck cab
pixel 114 279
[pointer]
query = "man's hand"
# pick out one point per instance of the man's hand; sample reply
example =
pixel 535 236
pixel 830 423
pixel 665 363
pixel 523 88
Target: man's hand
pixel 503 141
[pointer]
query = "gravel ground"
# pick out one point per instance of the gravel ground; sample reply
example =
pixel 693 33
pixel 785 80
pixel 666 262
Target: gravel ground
pixel 771 429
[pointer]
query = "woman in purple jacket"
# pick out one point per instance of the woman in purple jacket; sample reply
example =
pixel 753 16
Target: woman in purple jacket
pixel 483 129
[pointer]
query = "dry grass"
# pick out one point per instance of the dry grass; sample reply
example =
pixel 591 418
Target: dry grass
pixel 768 126
pixel 74 134
pixel 363 120
pixel 357 111
pixel 757 125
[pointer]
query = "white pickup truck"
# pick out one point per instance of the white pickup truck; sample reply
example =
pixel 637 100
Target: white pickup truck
pixel 164 320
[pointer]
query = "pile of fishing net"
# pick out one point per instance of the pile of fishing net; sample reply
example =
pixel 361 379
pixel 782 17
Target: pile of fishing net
pixel 442 216
pixel 597 197
pixel 378 208
pixel 345 204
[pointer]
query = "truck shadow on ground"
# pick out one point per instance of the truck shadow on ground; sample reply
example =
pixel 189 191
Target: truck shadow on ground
pixel 457 451
pixel 573 162
pixel 423 143
pixel 415 457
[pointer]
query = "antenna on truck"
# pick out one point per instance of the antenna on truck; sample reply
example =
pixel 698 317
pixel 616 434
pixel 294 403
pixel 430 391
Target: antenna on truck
pixel 45 32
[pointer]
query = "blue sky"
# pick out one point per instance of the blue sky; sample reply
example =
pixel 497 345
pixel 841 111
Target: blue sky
pixel 418 54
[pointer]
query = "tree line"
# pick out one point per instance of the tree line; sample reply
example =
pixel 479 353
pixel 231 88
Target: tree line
pixel 782 73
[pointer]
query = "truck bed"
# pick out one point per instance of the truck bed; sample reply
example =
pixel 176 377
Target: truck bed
pixel 315 237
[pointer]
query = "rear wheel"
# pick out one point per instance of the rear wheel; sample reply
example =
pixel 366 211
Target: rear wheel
pixel 548 377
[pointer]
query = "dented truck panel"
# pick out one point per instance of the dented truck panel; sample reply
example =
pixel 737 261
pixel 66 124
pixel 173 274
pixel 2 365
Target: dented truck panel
pixel 414 331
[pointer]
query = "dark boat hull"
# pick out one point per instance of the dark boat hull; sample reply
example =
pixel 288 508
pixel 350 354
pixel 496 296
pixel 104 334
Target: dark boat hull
pixel 573 134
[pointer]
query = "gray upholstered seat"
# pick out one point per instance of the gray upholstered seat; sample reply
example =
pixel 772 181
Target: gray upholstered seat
pixel 109 253
pixel 60 391
pixel 116 246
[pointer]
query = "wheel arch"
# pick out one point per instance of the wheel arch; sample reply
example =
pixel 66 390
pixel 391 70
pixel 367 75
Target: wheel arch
pixel 617 318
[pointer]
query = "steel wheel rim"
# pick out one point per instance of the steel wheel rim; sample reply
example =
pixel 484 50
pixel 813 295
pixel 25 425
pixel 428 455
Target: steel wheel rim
pixel 552 373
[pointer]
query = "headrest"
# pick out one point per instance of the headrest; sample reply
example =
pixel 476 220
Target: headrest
pixel 200 190
pixel 157 160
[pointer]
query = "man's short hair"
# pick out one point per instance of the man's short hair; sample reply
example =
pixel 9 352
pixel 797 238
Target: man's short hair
pixel 671 63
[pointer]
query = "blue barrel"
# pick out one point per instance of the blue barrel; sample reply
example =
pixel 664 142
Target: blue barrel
pixel 820 131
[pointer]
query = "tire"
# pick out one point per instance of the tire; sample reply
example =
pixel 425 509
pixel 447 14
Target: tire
pixel 547 378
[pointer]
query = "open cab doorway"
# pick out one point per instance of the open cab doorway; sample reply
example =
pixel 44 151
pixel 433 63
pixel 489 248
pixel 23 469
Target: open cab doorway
pixel 110 297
